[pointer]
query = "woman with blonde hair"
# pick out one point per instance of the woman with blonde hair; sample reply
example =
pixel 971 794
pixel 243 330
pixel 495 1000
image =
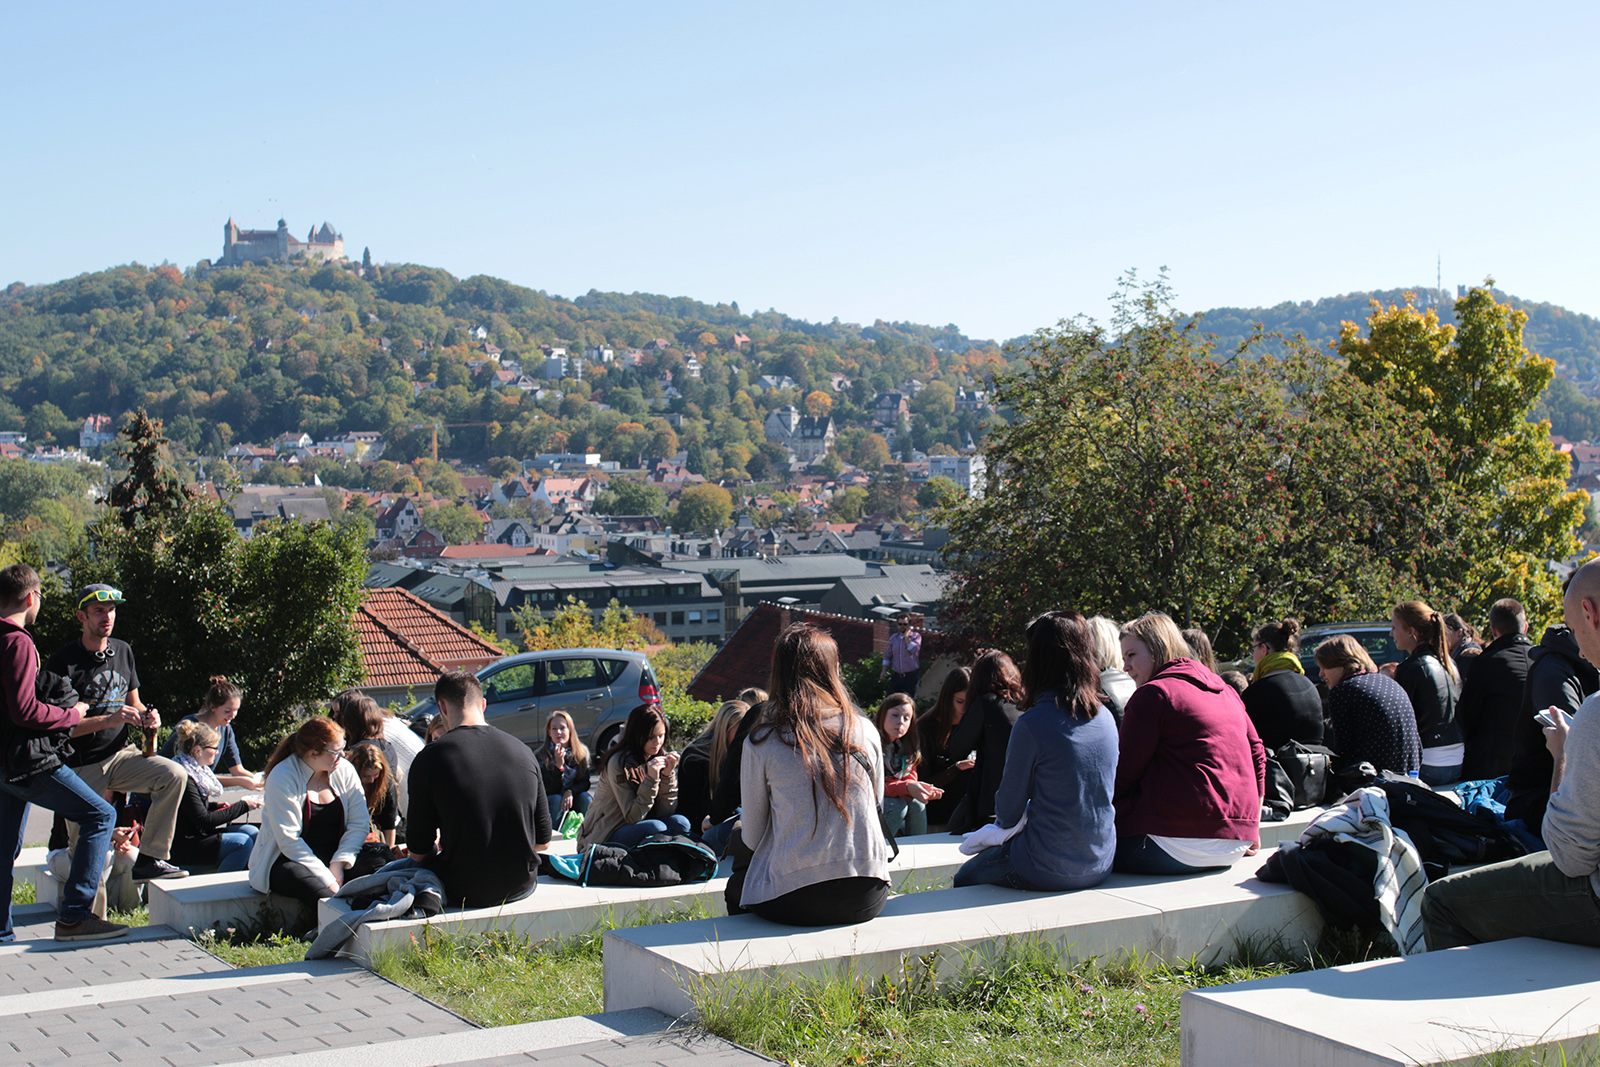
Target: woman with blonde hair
pixel 1115 684
pixel 701 767
pixel 218 710
pixel 203 835
pixel 812 777
pixel 1429 678
pixel 1369 715
pixel 1191 771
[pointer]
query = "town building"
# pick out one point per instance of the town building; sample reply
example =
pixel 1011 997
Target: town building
pixel 808 436
pixel 256 246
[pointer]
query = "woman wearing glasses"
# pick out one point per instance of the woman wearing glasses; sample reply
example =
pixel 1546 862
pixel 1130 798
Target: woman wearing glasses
pixel 313 819
pixel 204 837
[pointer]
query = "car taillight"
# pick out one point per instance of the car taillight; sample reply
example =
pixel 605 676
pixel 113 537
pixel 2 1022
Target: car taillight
pixel 647 693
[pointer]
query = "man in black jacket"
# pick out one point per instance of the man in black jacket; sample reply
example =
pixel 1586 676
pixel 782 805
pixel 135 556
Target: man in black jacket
pixel 1491 699
pixel 1558 676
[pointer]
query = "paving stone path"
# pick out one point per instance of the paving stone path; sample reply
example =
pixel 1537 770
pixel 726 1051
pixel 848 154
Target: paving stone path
pixel 155 998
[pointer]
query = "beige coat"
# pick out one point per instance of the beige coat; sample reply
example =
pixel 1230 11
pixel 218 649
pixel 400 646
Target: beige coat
pixel 618 801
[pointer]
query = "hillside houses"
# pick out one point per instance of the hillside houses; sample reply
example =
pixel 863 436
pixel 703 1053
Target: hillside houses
pixel 808 437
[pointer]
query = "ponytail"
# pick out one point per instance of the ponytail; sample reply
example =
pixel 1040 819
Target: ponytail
pixel 1429 625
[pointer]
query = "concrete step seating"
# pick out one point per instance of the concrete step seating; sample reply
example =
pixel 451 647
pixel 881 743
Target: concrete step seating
pixel 559 908
pixel 1528 1000
pixel 1206 916
pixel 219 901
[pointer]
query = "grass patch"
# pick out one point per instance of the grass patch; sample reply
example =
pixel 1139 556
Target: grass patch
pixel 22 893
pixel 1027 1006
pixel 496 979
pixel 254 950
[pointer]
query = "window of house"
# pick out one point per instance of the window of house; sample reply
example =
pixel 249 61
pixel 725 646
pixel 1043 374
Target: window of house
pixel 694 616
pixel 714 615
pixel 660 618
pixel 677 618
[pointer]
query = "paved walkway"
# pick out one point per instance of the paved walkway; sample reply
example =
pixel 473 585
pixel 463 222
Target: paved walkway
pixel 155 998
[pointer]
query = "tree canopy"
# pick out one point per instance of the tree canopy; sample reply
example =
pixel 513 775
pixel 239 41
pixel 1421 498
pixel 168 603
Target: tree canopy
pixel 1145 470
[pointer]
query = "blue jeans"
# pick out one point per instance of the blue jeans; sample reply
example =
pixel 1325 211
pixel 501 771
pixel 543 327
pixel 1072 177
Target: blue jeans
pixel 1441 775
pixel 992 866
pixel 716 838
pixel 64 793
pixel 234 852
pixel 630 835
pixel 580 804
pixel 1140 855
pixel 905 813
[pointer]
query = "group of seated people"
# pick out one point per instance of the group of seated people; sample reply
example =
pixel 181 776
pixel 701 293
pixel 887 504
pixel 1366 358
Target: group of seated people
pixel 1110 748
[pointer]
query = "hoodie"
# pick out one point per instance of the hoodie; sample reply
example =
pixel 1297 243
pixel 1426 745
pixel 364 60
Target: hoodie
pixel 1558 676
pixel 33 734
pixel 1189 763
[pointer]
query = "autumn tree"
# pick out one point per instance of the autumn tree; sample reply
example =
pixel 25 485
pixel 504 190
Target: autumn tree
pixel 1144 470
pixel 818 403
pixel 702 508
pixel 1473 386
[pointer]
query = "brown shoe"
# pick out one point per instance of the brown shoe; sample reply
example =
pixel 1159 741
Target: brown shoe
pixel 90 929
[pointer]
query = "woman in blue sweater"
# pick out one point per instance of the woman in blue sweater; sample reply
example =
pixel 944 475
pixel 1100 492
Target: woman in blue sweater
pixel 1061 765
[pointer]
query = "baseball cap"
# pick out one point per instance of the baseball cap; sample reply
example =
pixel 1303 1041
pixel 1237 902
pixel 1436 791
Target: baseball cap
pixel 101 593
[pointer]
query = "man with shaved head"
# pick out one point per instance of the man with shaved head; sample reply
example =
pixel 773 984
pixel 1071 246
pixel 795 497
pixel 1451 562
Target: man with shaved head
pixel 1547 894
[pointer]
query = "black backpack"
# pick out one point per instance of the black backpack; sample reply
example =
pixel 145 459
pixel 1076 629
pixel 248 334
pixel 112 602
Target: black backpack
pixel 1297 778
pixel 1444 833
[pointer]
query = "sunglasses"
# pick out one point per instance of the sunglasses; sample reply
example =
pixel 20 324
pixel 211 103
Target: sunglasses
pixel 104 596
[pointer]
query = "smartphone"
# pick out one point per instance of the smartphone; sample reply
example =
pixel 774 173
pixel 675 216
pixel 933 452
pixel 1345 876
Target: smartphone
pixel 1543 718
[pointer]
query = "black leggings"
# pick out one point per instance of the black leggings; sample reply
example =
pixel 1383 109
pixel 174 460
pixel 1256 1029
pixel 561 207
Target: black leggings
pixel 839 902
pixel 294 879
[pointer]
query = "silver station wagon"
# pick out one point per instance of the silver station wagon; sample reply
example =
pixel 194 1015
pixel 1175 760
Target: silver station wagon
pixel 596 686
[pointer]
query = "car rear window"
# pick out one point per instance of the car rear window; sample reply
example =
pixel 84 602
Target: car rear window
pixel 611 669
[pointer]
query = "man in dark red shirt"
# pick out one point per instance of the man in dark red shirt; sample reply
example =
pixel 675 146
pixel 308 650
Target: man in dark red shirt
pixel 33 742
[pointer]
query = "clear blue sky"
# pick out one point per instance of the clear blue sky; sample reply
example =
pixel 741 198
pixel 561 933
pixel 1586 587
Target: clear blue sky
pixel 992 165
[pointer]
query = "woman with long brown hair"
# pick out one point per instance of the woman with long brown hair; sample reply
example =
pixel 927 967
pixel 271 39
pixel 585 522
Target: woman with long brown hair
pixel 935 727
pixel 812 784
pixel 1430 679
pixel 221 706
pixel 637 795
pixel 992 699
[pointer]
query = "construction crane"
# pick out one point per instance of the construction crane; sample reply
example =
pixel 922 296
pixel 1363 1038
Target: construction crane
pixel 434 426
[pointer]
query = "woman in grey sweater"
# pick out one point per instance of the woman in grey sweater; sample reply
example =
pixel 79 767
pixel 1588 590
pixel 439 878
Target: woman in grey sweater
pixel 811 779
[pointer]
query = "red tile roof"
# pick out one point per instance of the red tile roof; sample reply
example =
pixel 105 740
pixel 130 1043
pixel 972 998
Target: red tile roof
pixel 745 659
pixel 405 642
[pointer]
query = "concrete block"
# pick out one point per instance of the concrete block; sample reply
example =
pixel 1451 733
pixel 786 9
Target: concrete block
pixel 661 966
pixel 1209 916
pixel 1290 829
pixel 208 901
pixel 1205 916
pixel 559 908
pixel 1452 1007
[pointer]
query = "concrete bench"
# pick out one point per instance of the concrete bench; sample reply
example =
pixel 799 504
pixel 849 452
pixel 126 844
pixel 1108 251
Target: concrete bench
pixel 559 908
pixel 1206 916
pixel 1275 833
pixel 1461 1005
pixel 217 902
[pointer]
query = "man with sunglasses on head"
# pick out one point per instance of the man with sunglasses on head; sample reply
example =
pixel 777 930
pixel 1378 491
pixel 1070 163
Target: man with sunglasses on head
pixel 102 670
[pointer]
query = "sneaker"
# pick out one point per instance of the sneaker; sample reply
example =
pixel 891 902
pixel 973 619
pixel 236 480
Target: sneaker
pixel 148 869
pixel 90 929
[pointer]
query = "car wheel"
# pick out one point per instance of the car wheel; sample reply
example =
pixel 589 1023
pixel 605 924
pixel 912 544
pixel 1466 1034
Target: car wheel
pixel 607 739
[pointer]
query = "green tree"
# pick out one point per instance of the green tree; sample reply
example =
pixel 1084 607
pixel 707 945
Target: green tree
pixel 1153 473
pixel 849 504
pixel 702 508
pixel 458 524
pixel 628 496
pixel 1473 385
pixel 937 492
pixel 570 625
pixel 274 613
pixel 151 489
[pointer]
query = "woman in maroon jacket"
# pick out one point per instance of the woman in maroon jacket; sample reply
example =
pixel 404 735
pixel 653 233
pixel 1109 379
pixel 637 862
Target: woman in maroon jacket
pixel 1191 771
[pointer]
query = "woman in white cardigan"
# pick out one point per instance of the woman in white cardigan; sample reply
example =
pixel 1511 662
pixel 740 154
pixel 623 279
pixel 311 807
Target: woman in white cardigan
pixel 811 781
pixel 313 816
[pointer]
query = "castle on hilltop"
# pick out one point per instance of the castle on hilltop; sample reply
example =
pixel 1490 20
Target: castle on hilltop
pixel 243 246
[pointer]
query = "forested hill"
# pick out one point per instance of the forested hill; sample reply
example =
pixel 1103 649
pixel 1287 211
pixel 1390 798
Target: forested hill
pixel 1569 338
pixel 242 355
